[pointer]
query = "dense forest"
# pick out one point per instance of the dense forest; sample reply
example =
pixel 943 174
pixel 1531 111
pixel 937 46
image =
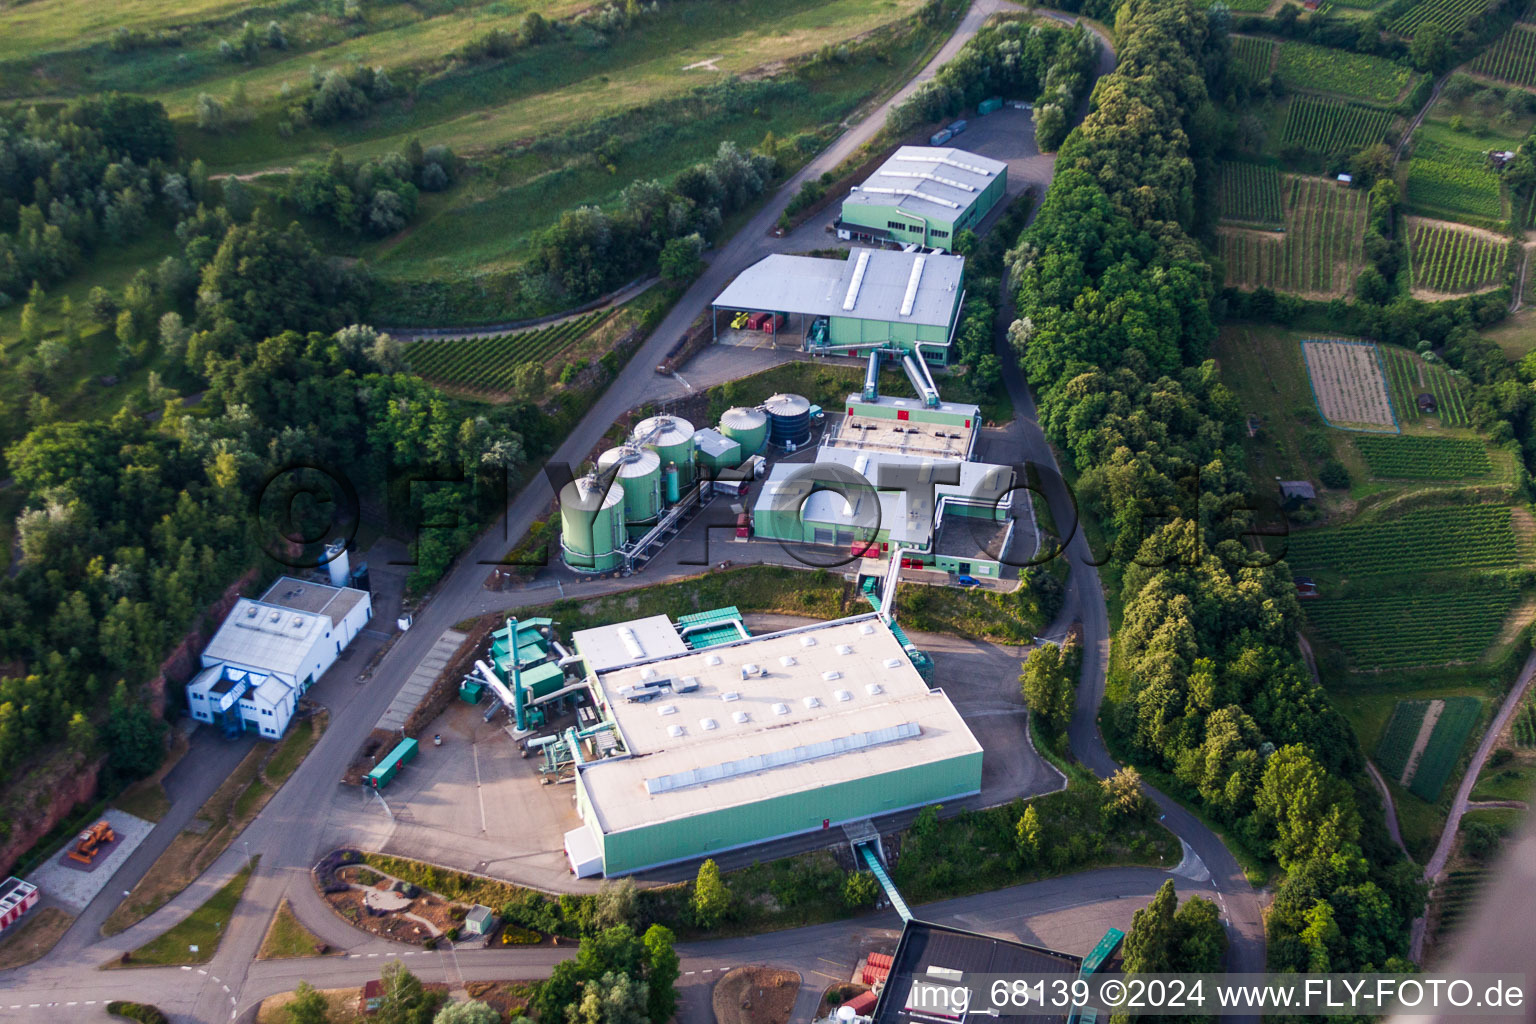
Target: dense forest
pixel 1115 323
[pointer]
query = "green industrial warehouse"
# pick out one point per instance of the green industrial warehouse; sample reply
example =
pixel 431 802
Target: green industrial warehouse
pixel 923 195
pixel 906 300
pixel 715 739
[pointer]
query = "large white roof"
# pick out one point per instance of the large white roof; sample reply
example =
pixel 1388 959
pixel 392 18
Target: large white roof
pixel 266 636
pixel 832 703
pixel 937 183
pixel 823 287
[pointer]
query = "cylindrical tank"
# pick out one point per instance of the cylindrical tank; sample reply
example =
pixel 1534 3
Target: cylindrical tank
pixel 671 487
pixel 591 525
pixel 337 563
pixel 640 476
pixel 789 420
pixel 747 427
pixel 672 439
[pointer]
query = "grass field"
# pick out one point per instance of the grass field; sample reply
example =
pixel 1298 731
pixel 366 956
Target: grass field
pixel 203 928
pixel 1350 75
pixel 1448 177
pixel 1430 540
pixel 1409 376
pixel 1511 58
pixel 1319 254
pixel 1323 125
pixel 1250 194
pixel 1445 745
pixel 1413 457
pixel 1420 625
pixel 1452 260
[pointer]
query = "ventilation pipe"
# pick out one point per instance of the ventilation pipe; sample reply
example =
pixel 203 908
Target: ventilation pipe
pixel 872 377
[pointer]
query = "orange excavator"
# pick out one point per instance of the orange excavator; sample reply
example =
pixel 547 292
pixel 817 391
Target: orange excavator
pixel 90 842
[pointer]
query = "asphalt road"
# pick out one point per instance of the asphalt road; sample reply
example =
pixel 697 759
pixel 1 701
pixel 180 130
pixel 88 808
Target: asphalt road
pixel 289 834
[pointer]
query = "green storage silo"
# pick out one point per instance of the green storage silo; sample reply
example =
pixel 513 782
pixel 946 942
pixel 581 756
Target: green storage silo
pixel 639 473
pixel 591 525
pixel 671 438
pixel 747 427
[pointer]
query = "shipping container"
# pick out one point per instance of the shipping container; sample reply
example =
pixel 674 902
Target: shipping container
pixel 956 128
pixel 773 324
pixel 989 106
pixel 939 138
pixel 755 321
pixel 385 771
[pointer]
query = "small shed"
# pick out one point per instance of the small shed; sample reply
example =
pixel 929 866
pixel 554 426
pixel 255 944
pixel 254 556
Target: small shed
pixel 1427 403
pixel 1295 492
pixel 370 997
pixel 480 920
pixel 1346 179
pixel 863 1004
pixel 1306 587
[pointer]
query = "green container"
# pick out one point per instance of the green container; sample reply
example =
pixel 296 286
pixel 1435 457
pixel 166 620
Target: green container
pixel 990 106
pixel 591 525
pixel 385 771
pixel 639 474
pixel 671 438
pixel 470 693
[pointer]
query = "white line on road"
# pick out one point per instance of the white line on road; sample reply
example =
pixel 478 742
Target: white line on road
pixel 201 971
pixel 690 972
pixel 354 956
pixel 185 967
pixel 225 988
pixel 479 789
pixel 72 1002
pixel 372 955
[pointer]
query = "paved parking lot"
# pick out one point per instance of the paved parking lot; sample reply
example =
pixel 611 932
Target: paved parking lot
pixel 74 885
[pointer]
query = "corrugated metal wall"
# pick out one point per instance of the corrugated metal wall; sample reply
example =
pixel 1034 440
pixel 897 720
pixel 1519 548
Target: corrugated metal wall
pixel 790 814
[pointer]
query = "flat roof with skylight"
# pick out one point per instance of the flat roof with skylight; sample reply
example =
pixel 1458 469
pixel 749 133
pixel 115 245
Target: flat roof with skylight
pixel 933 182
pixel 778 714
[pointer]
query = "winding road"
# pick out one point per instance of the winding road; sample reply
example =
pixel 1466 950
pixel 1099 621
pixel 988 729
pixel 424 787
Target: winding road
pixel 291 833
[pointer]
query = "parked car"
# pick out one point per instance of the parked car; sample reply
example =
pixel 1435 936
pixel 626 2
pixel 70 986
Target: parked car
pixel 967 581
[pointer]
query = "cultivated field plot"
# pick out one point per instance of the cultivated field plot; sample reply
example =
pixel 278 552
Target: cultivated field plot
pixel 1354 75
pixel 1430 540
pixel 1523 729
pixel 1421 628
pixel 1451 15
pixel 1250 194
pixel 1454 261
pixel 1511 58
pixel 1458 896
pixel 1252 58
pixel 487 364
pixel 1409 377
pixel 1444 749
pixel 1454 182
pixel 1322 125
pixel 1398 738
pixel 1319 254
pixel 1349 385
pixel 1413 457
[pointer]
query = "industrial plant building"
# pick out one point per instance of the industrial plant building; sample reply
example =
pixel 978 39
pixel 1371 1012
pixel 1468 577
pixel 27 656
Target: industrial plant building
pixel 926 502
pixel 269 651
pixel 907 301
pixel 705 738
pixel 923 195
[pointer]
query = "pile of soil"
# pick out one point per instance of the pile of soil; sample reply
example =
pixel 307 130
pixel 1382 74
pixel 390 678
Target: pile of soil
pixel 755 995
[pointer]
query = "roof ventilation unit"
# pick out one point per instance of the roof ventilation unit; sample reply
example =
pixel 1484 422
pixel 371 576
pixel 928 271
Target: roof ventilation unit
pixel 807 641
pixel 687 684
pixel 874 689
pixel 708 724
pixel 866 629
pixel 740 717
pixel 788 661
pixel 712 659
pixel 648 673
pixel 829 676
pixel 893 663
pixel 844 649
pixel 750 670
pixel 674 731
pixel 631 642
pixel 812 702
pixel 730 695
pixel 842 695
pixel 667 709
pixel 781 709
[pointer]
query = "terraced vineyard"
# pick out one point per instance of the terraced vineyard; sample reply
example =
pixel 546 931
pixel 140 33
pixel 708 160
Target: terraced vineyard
pixel 1452 260
pixel 1408 378
pixel 1321 125
pixel 1444 750
pixel 1429 540
pixel 1250 194
pixel 1414 457
pixel 1453 181
pixel 1458 896
pixel 1397 740
pixel 1524 727
pixel 1419 628
pixel 1251 57
pixel 1353 75
pixel 487 364
pixel 1512 57
pixel 1321 251
pixel 1451 15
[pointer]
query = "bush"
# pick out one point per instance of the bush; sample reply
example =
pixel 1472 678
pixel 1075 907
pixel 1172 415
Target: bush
pixel 141 1012
pixel 516 935
pixel 1334 475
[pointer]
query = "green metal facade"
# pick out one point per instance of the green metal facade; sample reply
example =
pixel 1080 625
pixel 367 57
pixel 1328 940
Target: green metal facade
pixel 790 814
pixel 843 330
pixel 912 228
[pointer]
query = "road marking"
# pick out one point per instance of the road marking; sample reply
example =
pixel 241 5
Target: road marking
pixel 72 1002
pixel 479 789
pixel 88 1002
pixel 372 955
pixel 354 956
pixel 709 970
pixel 185 967
pixel 690 972
pixel 225 988
pixel 201 971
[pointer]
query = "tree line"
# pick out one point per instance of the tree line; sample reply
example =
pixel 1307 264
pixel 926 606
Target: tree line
pixel 1115 322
